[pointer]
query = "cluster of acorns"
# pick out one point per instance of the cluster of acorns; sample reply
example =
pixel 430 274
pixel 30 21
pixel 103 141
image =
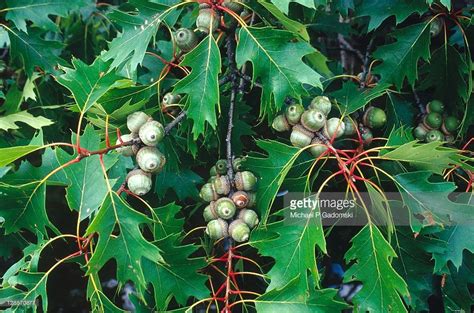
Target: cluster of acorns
pixel 145 134
pixel 227 206
pixel 435 125
pixel 305 123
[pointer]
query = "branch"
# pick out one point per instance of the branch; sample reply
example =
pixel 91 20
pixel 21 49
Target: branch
pixel 175 122
pixel 230 46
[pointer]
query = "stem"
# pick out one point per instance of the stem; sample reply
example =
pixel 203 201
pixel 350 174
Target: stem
pixel 175 122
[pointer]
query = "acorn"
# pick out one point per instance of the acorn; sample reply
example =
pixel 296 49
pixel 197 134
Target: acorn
pixel 221 185
pixel 245 180
pixel 350 128
pixel 225 208
pixel 241 199
pixel 210 212
pixel 313 120
pixel 435 106
pixel 139 182
pixel 252 199
pixel 221 166
pixel 150 159
pixel 374 117
pixel 433 120
pixel 186 39
pixel 334 128
pixel 239 231
pixel 249 217
pixel 300 137
pixel 317 147
pixel 207 20
pixel 170 98
pixel 217 229
pixel 151 133
pixel 233 5
pixel 126 150
pixel 420 132
pixel 322 104
pixel 212 179
pixel 280 124
pixel 213 171
pixel 449 138
pixel 237 164
pixel 434 135
pixel 136 120
pixel 435 27
pixel 450 125
pixel 293 113
pixel 208 193
pixel 366 135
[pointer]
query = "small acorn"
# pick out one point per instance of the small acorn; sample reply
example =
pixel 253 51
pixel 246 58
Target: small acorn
pixel 434 135
pixel 301 137
pixel 280 124
pixel 334 128
pixel 350 128
pixel 221 185
pixel 317 147
pixel 217 229
pixel 420 132
pixel 322 104
pixel 313 120
pixel 186 39
pixel 241 199
pixel 221 166
pixel 435 106
pixel 366 135
pixel 449 138
pixel 225 208
pixel 435 27
pixel 293 113
pixel 212 179
pixel 207 21
pixel 233 5
pixel 237 164
pixel 170 98
pixel 239 231
pixel 249 217
pixel 208 193
pixel 151 133
pixel 252 199
pixel 136 120
pixel 245 181
pixel 210 212
pixel 213 171
pixel 125 150
pixel 374 117
pixel 150 159
pixel 433 120
pixel 450 125
pixel 139 182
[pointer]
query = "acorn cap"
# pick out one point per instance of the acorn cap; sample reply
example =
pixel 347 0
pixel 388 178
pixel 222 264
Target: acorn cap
pixel 237 164
pixel 233 5
pixel 208 193
pixel 420 132
pixel 139 182
pixel 151 133
pixel 210 212
pixel 322 104
pixel 249 217
pixel 433 120
pixel 217 229
pixel 239 231
pixel 245 181
pixel 150 159
pixel 334 128
pixel 222 185
pixel 252 199
pixel 300 137
pixel 434 135
pixel 136 120
pixel 450 125
pixel 374 117
pixel 225 208
pixel 280 124
pixel 207 21
pixel 240 199
pixel 293 113
pixel 313 120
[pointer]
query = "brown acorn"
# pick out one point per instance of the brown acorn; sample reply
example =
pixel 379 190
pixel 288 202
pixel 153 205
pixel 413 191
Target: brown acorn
pixel 245 181
pixel 221 185
pixel 241 199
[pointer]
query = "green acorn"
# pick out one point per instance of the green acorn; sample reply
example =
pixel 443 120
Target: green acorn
pixel 449 138
pixel 136 120
pixel 221 185
pixel 208 193
pixel 435 106
pixel 126 150
pixel 139 182
pixel 207 21
pixel 322 104
pixel 221 167
pixel 450 125
pixel 317 147
pixel 280 124
pixel 350 127
pixel 366 135
pixel 151 133
pixel 245 181
pixel 212 179
pixel 249 217
pixel 217 229
pixel 237 164
pixel 239 231
pixel 210 212
pixel 213 171
pixel 334 128
pixel 293 113
pixel 374 117
pixel 252 199
pixel 313 120
pixel 435 27
pixel 241 199
pixel 434 135
pixel 225 208
pixel 186 39
pixel 170 99
pixel 433 120
pixel 300 137
pixel 233 5
pixel 420 132
pixel 150 159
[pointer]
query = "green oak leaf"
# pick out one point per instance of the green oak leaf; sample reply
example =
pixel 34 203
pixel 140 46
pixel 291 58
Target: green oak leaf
pixel 383 287
pixel 400 112
pixel 120 238
pixel 284 5
pixel 9 121
pixel 168 224
pixel 10 154
pixel 277 63
pixel 457 295
pixel 39 12
pixel 87 83
pixel 182 182
pixel 26 286
pixel 352 98
pixel 400 59
pixel 456 242
pixel 446 3
pixel 379 11
pixel 205 61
